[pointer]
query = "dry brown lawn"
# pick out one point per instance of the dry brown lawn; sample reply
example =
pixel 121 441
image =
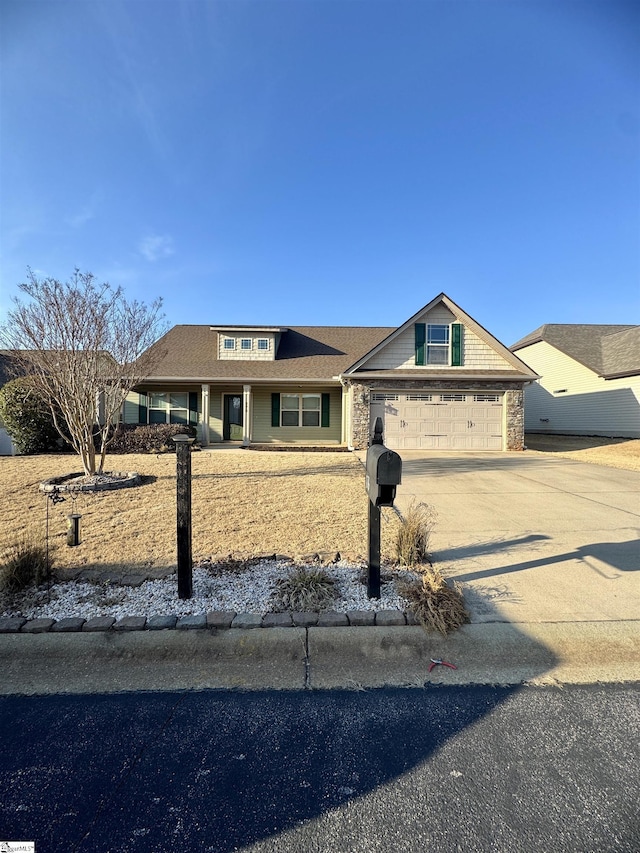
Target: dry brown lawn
pixel 244 503
pixel 614 452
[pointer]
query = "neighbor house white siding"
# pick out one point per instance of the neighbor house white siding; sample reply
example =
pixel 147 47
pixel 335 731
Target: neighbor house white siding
pixel 7 447
pixel 400 353
pixel 569 398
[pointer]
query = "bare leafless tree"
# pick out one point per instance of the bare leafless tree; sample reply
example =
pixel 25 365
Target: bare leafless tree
pixel 86 347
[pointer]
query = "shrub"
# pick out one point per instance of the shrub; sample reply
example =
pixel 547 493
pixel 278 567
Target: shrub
pixel 23 564
pixel 305 590
pixel 154 438
pixel 414 534
pixel 27 418
pixel 435 604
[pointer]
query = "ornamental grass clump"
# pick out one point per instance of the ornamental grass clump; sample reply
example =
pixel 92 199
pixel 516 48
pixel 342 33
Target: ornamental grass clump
pixel 414 534
pixel 305 590
pixel 435 604
pixel 22 564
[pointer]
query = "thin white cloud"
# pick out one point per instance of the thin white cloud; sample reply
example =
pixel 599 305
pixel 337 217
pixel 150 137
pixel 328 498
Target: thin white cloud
pixel 156 246
pixel 85 212
pixel 77 220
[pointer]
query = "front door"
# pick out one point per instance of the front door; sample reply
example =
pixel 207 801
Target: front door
pixel 232 420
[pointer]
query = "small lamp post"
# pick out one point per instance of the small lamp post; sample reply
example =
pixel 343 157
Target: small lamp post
pixel 183 494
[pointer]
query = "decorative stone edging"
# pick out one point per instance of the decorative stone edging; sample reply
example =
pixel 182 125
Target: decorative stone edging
pixel 100 483
pixel 216 620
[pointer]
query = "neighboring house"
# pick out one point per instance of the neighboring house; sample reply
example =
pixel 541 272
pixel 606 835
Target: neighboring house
pixel 10 369
pixel 589 379
pixel 7 447
pixel 440 382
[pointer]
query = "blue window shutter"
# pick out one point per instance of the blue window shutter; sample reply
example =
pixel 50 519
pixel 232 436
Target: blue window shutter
pixel 142 409
pixel 193 408
pixel 326 400
pixel 275 410
pixel 456 344
pixel 421 336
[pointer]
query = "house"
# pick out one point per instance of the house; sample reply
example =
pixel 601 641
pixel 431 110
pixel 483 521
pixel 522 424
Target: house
pixel 589 379
pixel 439 382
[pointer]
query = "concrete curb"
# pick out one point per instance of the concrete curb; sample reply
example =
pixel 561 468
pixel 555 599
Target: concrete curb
pixel 317 658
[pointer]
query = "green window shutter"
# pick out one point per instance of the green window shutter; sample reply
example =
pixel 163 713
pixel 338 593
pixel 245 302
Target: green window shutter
pixel 456 344
pixel 421 336
pixel 326 400
pixel 275 410
pixel 142 409
pixel 193 408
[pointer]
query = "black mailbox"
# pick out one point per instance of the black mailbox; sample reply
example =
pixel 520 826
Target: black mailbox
pixel 384 473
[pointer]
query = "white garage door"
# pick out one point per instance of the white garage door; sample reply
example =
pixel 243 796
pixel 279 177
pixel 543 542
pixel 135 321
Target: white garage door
pixel 440 420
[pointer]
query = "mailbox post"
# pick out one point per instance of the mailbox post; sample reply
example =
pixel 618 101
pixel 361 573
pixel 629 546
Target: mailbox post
pixel 384 473
pixel 183 500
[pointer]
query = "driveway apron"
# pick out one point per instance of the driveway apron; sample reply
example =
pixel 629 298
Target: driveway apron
pixel 532 538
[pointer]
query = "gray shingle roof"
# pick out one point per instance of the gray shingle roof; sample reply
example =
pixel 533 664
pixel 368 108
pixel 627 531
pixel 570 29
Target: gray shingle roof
pixel 7 368
pixel 608 350
pixel 305 353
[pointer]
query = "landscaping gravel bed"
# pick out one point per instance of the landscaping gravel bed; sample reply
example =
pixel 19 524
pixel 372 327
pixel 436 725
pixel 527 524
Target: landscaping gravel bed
pixel 247 591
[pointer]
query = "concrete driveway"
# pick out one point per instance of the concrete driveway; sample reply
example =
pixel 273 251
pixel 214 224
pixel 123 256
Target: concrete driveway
pixel 532 538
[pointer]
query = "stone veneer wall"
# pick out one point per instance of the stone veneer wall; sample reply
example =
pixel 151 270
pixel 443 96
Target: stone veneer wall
pixel 360 427
pixel 515 419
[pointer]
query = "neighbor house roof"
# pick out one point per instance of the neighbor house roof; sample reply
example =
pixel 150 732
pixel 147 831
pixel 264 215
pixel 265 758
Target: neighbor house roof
pixel 305 353
pixel 8 369
pixel 609 350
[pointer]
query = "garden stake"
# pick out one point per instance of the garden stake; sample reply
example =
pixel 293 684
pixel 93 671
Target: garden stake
pixel 55 497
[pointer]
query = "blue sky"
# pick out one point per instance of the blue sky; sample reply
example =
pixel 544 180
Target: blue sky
pixel 327 163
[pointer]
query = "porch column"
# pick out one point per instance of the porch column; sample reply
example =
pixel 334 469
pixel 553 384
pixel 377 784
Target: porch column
pixel 246 415
pixel 347 415
pixel 204 416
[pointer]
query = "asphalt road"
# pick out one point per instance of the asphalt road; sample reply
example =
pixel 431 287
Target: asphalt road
pixel 444 768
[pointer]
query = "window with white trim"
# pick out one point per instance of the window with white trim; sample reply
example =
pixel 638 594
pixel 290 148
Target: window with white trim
pixel 486 398
pixel 263 344
pixel 246 343
pixel 437 343
pixel 453 398
pixel 229 343
pixel 169 408
pixel 300 410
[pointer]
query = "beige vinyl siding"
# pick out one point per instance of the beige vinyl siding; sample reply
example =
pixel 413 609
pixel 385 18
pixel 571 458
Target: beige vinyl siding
pixel 264 433
pixel 400 353
pixel 570 398
pixel 252 354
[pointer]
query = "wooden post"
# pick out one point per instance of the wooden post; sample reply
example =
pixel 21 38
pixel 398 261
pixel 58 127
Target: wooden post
pixel 183 495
